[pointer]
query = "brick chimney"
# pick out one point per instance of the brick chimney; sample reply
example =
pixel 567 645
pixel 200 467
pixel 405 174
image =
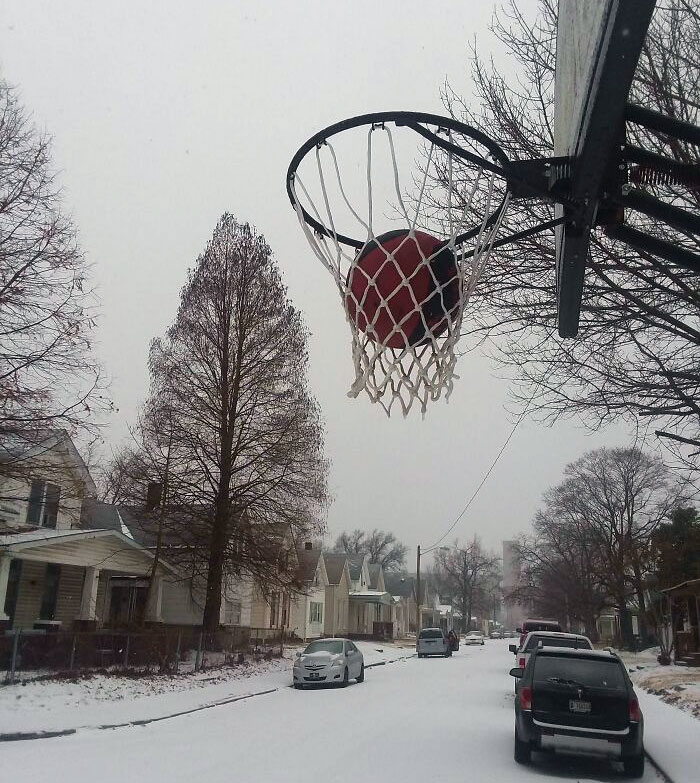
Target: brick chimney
pixel 154 493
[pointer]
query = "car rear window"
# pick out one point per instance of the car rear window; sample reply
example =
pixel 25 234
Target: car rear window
pixel 541 626
pixel 591 673
pixel 556 641
pixel 431 634
pixel 325 645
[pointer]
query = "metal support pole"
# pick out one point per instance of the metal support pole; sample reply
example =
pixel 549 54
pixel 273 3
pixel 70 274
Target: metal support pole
pixel 72 653
pixel 648 205
pixel 417 592
pixel 662 123
pixel 15 646
pixel 659 247
pixel 126 651
pixel 198 659
pixel 177 652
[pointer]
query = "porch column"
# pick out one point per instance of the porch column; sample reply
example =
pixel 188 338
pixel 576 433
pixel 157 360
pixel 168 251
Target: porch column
pixel 5 561
pixel 155 601
pixel 87 617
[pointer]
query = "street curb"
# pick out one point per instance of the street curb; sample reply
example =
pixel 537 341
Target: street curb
pixel 30 735
pixel 658 767
pixel 20 736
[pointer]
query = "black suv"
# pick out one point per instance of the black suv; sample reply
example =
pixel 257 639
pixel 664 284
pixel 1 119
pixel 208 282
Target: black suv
pixel 578 701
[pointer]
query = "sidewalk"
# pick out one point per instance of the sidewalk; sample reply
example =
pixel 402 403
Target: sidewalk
pixel 105 700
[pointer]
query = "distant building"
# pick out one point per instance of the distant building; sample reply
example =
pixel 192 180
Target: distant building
pixel 514 612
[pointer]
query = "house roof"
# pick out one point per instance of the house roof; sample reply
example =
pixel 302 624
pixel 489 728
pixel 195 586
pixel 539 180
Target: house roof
pixel 693 585
pixel 374 570
pixel 371 596
pixel 308 563
pixel 335 565
pixel 399 584
pixel 40 536
pixel 355 565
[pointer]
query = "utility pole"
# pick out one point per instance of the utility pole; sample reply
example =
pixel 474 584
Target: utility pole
pixel 417 591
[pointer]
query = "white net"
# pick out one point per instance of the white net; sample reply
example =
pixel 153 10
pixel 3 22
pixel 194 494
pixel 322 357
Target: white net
pixel 404 289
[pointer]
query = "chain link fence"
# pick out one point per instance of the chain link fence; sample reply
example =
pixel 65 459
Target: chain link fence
pixel 36 654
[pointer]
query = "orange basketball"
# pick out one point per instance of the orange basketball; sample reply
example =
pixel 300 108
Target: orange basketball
pixel 391 285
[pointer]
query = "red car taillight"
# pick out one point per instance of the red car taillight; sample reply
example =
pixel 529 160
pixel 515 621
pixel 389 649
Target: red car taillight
pixel 525 695
pixel 635 712
pixel 521 663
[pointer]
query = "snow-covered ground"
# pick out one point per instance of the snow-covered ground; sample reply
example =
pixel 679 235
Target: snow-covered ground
pixel 56 705
pixel 676 685
pixel 435 719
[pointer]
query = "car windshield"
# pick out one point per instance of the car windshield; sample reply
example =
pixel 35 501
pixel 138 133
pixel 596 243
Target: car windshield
pixel 431 633
pixel 592 672
pixel 325 645
pixel 474 633
pixel 556 641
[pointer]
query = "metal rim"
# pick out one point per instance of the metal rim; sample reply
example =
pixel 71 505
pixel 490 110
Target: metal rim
pixel 413 120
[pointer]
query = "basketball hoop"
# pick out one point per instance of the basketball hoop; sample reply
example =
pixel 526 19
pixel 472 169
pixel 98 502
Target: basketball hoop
pixel 404 268
pixel 405 273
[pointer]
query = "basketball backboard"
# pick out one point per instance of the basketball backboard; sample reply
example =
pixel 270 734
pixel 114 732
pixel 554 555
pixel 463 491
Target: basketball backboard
pixel 598 46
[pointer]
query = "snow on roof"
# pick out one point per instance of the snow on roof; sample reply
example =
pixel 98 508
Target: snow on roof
pixel 38 534
pixel 125 530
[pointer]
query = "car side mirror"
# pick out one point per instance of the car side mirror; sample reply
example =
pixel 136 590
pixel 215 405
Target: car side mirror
pixel 298 655
pixel 513 648
pixel 518 630
pixel 516 671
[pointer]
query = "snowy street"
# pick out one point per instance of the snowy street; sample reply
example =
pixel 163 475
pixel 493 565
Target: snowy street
pixel 439 719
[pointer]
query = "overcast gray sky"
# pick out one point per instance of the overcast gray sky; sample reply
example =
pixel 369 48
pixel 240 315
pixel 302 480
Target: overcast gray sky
pixel 166 114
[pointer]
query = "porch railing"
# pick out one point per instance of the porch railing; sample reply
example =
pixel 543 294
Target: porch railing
pixel 32 654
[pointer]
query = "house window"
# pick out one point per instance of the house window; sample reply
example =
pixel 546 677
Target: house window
pixel 232 612
pixel 285 611
pixel 274 609
pixel 315 612
pixel 12 588
pixel 50 594
pixel 43 504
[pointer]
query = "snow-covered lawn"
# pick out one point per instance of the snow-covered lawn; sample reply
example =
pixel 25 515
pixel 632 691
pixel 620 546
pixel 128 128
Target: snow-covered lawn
pixel 417 720
pixel 676 685
pixel 98 700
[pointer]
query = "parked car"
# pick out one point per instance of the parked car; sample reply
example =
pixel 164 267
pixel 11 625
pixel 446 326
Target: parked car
pixel 329 662
pixel 495 635
pixel 536 625
pixel 548 639
pixel 578 701
pixel 474 637
pixel 432 641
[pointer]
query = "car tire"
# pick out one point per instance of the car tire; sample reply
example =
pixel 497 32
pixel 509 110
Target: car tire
pixel 298 686
pixel 634 766
pixel 521 751
pixel 346 679
pixel 361 676
pixel 420 655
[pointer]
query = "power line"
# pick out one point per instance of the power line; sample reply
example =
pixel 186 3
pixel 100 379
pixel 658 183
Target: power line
pixel 483 480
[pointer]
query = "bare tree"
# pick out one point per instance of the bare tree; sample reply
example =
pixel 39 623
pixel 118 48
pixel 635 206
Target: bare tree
pixel 638 351
pixel 250 473
pixel 381 547
pixel 469 573
pixel 592 539
pixel 49 381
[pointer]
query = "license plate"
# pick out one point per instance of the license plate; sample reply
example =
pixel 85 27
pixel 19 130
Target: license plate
pixel 314 676
pixel 579 706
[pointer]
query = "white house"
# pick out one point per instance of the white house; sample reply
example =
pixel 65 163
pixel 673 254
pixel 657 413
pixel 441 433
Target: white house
pixel 55 571
pixel 308 608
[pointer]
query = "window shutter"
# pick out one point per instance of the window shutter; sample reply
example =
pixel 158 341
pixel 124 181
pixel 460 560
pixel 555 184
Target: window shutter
pixel 36 498
pixel 53 496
